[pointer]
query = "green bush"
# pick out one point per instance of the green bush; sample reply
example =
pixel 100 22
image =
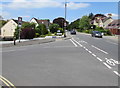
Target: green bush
pixel 42 35
pixel 37 34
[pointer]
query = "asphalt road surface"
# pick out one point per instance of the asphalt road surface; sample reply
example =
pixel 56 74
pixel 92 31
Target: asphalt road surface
pixel 79 61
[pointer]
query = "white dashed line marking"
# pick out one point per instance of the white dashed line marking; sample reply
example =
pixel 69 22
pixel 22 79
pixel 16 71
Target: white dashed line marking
pixel 89 51
pixel 94 55
pixel 116 73
pixel 77 43
pixel 99 59
pixel 99 49
pixel 73 43
pixel 106 65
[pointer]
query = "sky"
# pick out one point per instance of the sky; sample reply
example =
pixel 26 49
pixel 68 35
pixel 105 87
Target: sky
pixel 51 9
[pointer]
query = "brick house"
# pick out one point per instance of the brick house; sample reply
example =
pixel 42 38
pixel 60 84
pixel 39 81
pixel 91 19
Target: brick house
pixel 114 27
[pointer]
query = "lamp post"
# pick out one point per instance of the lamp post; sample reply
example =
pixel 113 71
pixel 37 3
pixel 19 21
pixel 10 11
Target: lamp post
pixel 65 24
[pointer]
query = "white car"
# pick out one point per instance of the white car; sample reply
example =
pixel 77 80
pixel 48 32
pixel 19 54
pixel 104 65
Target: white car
pixel 59 33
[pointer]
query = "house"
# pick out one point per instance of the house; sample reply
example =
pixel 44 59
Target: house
pixel 114 27
pixel 7 31
pixel 101 20
pixel 46 22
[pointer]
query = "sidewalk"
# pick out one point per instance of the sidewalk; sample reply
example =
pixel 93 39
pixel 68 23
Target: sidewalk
pixel 24 42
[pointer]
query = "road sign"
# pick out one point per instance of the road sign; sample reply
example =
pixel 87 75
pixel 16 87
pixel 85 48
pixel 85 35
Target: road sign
pixel 19 21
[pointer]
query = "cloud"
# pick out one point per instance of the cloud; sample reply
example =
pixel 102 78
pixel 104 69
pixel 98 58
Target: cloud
pixel 25 4
pixel 114 15
pixel 68 0
pixel 73 5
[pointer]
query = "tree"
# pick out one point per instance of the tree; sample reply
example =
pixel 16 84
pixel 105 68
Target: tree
pixel 41 29
pixel 2 22
pixel 74 25
pixel 60 21
pixel 84 23
pixel 91 15
pixel 28 33
pixel 53 28
pixel 26 27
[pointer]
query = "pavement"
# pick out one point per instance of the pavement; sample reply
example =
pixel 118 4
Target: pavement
pixel 79 61
pixel 25 42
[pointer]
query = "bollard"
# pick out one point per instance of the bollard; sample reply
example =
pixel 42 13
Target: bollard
pixel 14 41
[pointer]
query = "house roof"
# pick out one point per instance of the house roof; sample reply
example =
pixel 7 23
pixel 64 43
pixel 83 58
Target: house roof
pixel 114 24
pixel 106 18
pixel 17 21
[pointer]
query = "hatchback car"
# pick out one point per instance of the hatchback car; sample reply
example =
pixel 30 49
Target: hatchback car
pixel 73 32
pixel 59 33
pixel 96 34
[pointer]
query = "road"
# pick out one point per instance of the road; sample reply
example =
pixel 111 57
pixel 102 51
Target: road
pixel 79 61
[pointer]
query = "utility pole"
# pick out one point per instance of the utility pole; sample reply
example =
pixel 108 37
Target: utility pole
pixel 19 25
pixel 65 24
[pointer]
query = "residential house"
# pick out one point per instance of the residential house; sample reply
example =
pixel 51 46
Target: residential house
pixel 114 27
pixel 7 31
pixel 46 22
pixel 101 20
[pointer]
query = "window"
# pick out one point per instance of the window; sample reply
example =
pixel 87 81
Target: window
pixel 113 24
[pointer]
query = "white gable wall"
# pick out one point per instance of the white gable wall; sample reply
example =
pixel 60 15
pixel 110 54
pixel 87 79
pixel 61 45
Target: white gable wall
pixel 107 22
pixel 34 21
pixel 8 29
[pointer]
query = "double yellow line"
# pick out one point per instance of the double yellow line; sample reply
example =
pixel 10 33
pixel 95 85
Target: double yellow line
pixel 6 82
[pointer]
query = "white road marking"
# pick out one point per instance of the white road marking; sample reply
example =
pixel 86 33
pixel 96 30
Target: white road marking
pixel 106 65
pixel 8 82
pixel 99 59
pixel 83 41
pixel 89 51
pixel 116 73
pixel 73 43
pixel 86 49
pixel 99 49
pixel 77 42
pixel 94 55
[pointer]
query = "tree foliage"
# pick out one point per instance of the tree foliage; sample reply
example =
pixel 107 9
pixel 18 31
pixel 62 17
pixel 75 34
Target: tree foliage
pixel 91 16
pixel 84 23
pixel 60 21
pixel 53 28
pixel 41 29
pixel 74 25
pixel 27 31
pixel 2 22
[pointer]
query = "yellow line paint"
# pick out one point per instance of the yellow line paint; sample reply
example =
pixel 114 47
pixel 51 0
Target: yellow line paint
pixel 7 81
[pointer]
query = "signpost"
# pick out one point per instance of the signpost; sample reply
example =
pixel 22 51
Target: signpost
pixel 19 25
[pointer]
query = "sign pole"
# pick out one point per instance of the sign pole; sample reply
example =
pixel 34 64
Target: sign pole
pixel 19 25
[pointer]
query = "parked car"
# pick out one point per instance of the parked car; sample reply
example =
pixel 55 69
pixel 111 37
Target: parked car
pixel 96 34
pixel 59 33
pixel 73 32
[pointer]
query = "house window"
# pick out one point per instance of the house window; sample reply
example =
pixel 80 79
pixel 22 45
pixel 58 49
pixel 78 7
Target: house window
pixel 109 25
pixel 113 24
pixel 118 24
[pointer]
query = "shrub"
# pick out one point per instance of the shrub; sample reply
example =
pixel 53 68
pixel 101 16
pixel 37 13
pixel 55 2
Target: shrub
pixel 27 33
pixel 37 34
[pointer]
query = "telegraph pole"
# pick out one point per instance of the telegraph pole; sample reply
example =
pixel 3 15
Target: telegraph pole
pixel 65 24
pixel 19 25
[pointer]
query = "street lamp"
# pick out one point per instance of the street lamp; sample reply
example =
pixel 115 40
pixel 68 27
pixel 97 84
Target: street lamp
pixel 65 24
